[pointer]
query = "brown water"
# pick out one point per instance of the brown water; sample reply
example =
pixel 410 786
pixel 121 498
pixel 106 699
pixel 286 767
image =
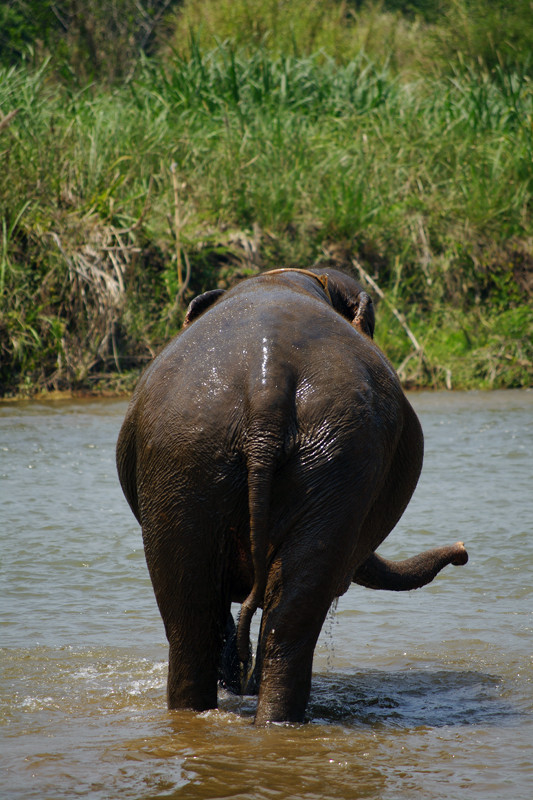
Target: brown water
pixel 425 695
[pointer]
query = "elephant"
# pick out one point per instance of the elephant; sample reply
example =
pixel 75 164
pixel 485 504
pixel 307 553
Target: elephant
pixel 266 452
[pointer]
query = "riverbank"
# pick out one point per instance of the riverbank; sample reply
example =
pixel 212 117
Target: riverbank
pixel 210 162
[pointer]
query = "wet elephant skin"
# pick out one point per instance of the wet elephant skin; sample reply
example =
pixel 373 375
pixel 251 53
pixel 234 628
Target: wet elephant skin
pixel 267 452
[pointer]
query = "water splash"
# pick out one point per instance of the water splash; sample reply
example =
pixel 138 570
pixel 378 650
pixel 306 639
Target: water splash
pixel 328 630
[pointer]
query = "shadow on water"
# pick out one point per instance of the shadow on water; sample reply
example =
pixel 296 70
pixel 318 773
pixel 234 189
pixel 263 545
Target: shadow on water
pixel 407 699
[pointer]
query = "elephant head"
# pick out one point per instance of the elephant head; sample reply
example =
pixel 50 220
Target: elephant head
pixel 343 292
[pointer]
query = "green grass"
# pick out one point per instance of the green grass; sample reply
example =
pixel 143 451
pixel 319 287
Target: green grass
pixel 421 36
pixel 282 158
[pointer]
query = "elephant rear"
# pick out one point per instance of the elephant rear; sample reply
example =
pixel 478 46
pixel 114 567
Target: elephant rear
pixel 267 452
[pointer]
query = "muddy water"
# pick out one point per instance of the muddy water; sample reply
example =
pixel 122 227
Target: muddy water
pixel 421 695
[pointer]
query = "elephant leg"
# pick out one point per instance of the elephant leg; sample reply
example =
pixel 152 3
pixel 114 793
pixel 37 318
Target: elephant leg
pixel 299 593
pixel 195 646
pixel 185 575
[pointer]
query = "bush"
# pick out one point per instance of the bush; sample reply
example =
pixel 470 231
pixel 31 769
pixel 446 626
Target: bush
pixel 100 40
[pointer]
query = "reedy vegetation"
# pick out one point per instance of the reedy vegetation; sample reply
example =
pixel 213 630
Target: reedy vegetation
pixel 291 140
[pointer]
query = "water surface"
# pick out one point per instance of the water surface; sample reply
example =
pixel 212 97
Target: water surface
pixel 427 694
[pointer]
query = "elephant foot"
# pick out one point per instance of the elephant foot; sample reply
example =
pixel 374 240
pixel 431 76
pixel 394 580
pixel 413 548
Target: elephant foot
pixel 399 576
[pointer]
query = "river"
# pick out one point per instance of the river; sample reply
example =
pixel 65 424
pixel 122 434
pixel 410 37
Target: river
pixel 425 695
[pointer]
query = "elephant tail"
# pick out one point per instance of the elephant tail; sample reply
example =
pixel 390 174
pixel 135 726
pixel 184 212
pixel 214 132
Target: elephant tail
pixel 260 472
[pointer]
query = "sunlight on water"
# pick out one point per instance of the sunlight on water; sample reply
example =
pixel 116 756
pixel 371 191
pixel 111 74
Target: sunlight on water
pixel 427 694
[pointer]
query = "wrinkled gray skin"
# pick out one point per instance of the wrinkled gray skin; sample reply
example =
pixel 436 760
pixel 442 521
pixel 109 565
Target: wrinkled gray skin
pixel 267 452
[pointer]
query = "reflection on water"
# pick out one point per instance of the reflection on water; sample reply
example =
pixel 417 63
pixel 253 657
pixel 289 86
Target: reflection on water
pixel 425 694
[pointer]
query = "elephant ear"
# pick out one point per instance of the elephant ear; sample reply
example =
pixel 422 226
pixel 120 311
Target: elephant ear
pixel 349 299
pixel 355 305
pixel 200 304
pixel 365 319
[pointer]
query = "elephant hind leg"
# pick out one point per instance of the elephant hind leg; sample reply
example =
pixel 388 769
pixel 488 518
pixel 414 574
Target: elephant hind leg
pixel 194 607
pixel 195 648
pixel 191 685
pixel 290 633
pixel 302 583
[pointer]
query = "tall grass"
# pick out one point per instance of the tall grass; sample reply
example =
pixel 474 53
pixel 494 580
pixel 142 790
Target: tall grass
pixel 302 28
pixel 418 36
pixel 282 159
